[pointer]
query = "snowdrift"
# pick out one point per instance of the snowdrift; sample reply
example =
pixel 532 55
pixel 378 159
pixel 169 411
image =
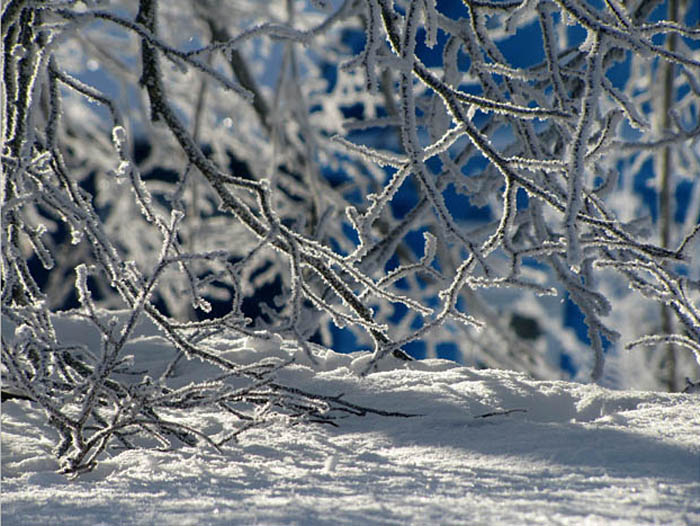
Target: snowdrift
pixel 485 447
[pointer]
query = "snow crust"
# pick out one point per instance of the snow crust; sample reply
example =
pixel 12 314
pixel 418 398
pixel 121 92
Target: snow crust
pixel 489 447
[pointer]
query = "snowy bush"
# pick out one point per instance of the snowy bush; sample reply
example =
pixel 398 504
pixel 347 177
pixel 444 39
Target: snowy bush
pixel 393 173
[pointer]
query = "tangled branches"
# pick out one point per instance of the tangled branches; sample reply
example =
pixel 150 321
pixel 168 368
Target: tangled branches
pixel 248 182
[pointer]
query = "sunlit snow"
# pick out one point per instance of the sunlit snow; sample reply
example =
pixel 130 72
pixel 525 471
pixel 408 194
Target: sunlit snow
pixel 489 447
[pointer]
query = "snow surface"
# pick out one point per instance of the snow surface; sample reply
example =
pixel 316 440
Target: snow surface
pixel 570 454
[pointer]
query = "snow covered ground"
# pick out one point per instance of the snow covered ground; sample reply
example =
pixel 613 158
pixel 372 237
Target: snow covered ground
pixel 570 454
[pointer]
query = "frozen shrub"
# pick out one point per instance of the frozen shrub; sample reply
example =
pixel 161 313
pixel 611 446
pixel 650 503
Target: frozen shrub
pixel 393 169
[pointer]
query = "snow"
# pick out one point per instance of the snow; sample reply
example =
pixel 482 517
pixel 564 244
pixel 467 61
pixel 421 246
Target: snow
pixel 489 447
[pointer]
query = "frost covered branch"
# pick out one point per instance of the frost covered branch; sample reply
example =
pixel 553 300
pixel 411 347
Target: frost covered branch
pixel 387 173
